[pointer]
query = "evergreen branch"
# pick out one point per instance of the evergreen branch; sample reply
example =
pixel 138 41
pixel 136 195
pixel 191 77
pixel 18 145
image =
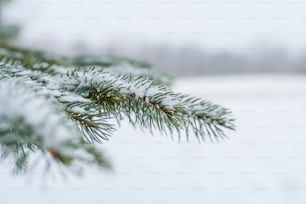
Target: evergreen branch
pixel 150 104
pixel 93 98
pixel 143 101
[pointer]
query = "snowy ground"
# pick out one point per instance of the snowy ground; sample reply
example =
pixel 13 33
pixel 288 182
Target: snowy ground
pixel 262 162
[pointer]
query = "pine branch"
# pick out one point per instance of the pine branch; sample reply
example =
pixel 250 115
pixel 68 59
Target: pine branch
pixel 149 104
pixel 86 102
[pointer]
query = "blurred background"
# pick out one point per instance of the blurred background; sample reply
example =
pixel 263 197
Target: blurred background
pixel 180 37
pixel 249 56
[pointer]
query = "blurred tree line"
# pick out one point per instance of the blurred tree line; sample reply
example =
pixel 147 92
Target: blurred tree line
pixel 194 61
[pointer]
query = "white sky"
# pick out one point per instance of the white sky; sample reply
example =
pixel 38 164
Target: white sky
pixel 212 24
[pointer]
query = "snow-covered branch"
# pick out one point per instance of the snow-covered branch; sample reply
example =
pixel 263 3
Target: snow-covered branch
pixel 60 105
